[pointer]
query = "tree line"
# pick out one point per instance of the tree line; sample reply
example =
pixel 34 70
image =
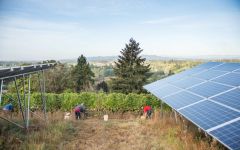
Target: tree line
pixel 130 74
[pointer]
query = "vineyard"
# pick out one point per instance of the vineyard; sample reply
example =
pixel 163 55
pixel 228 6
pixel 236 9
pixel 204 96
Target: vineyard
pixel 113 102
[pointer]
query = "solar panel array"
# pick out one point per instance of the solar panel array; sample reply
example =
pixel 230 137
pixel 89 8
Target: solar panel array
pixel 17 71
pixel 209 96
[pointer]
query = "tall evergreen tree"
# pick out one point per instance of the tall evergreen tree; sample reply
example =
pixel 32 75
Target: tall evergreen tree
pixel 83 75
pixel 130 69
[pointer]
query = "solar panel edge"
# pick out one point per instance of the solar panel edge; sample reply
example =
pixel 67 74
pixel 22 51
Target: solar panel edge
pixel 180 113
pixel 24 70
pixel 216 66
pixel 205 130
pixel 196 123
pixel 222 142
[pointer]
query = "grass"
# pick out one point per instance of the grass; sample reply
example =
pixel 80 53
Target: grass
pixel 124 133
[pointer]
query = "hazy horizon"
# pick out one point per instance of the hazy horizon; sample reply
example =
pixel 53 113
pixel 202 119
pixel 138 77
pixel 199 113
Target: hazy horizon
pixel 161 57
pixel 57 29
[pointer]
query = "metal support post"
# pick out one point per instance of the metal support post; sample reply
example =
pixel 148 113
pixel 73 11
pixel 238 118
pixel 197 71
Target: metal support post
pixel 161 108
pixel 24 96
pixel 19 99
pixel 41 89
pixel 28 103
pixel 175 116
pixel 44 98
pixel 1 92
pixel 40 84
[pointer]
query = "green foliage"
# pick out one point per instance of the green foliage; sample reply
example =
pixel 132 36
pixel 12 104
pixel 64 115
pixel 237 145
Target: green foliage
pixel 130 70
pixel 83 75
pixel 113 102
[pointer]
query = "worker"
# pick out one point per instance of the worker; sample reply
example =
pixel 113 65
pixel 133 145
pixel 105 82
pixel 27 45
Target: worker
pixel 77 112
pixel 8 107
pixel 82 110
pixel 147 111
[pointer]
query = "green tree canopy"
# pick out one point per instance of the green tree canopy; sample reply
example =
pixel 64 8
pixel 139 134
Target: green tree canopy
pixel 83 75
pixel 130 69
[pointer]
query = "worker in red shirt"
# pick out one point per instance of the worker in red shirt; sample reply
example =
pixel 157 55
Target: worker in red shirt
pixel 77 112
pixel 147 111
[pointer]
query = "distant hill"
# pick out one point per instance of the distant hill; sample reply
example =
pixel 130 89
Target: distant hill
pixel 156 57
pixel 148 57
pixel 114 58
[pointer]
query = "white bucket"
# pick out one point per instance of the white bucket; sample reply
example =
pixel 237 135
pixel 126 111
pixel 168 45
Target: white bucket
pixel 105 117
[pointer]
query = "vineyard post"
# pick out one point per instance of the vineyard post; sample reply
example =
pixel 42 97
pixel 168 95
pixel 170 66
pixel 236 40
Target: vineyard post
pixel 24 96
pixel 176 116
pixel 44 98
pixel 19 99
pixel 1 92
pixel 28 104
pixel 161 109
pixel 42 90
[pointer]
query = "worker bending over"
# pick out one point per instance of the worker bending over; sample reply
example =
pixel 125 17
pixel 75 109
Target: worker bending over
pixel 147 111
pixel 80 110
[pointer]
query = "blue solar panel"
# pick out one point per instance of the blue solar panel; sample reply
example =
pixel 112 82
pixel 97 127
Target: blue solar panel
pixel 182 75
pixel 228 67
pixel 192 71
pixel 232 79
pixel 154 85
pixel 237 71
pixel 187 82
pixel 208 114
pixel 220 83
pixel 210 74
pixel 173 78
pixel 209 89
pixel 182 99
pixel 209 65
pixel 165 91
pixel 231 98
pixel 229 135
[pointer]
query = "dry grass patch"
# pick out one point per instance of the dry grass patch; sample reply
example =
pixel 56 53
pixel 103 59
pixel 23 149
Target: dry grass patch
pixel 94 134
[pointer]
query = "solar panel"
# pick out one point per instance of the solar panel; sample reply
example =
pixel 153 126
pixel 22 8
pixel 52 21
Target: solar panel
pixel 231 98
pixel 210 74
pixel 229 135
pixel 166 90
pixel 209 89
pixel 228 67
pixel 208 114
pixel 232 79
pixel 158 84
pixel 182 99
pixel 209 65
pixel 182 75
pixel 187 82
pixel 174 78
pixel 192 71
pixel 237 71
pixel 209 96
pixel 17 71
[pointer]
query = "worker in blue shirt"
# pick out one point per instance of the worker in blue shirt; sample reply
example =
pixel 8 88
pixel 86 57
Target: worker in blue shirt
pixel 8 107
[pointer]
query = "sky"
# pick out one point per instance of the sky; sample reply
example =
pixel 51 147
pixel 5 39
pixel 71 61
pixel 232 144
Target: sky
pixel 65 29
